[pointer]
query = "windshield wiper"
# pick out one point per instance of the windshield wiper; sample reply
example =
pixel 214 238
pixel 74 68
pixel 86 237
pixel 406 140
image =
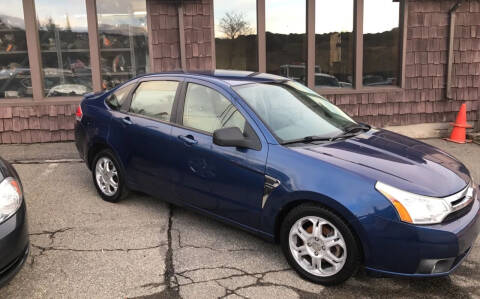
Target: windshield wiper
pixel 350 131
pixel 307 139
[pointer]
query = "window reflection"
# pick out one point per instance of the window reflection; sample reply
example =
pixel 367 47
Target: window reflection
pixel 381 42
pixel 122 29
pixel 15 79
pixel 64 46
pixel 236 34
pixel 285 22
pixel 334 52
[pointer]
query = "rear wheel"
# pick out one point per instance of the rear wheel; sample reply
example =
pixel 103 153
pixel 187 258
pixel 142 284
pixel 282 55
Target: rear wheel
pixel 319 245
pixel 108 177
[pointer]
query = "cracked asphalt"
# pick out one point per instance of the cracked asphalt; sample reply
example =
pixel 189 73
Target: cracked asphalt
pixel 83 247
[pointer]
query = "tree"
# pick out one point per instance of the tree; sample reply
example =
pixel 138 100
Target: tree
pixel 234 24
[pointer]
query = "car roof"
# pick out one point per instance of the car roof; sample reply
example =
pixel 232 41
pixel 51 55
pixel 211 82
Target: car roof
pixel 228 77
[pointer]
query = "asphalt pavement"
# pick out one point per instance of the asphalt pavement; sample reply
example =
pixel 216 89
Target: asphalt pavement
pixel 83 247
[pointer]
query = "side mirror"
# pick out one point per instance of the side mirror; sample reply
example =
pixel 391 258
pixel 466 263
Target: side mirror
pixel 233 137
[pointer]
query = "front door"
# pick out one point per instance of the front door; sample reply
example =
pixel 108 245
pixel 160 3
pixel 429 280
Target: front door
pixel 225 181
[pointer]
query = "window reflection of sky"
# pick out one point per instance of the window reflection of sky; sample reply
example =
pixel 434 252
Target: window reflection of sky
pixel 74 9
pixel 282 16
pixel 288 16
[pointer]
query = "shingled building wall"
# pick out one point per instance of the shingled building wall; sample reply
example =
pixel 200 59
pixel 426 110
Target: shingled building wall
pixel 423 100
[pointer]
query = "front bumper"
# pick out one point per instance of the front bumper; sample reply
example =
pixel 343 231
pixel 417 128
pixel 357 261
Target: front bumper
pixel 402 249
pixel 13 245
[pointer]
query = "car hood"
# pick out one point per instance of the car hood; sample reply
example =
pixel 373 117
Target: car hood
pixel 396 160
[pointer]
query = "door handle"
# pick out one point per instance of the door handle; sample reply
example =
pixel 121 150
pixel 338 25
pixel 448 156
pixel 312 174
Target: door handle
pixel 126 120
pixel 188 139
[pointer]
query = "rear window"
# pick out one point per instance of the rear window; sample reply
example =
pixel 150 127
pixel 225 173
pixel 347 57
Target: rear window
pixel 118 97
pixel 154 99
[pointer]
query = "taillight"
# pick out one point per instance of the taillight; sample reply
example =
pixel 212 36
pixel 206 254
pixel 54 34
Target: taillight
pixel 79 113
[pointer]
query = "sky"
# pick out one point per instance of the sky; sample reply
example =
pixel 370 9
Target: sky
pixel 289 16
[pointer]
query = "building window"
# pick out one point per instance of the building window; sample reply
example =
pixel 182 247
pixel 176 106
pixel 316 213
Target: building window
pixel 334 43
pixel 381 43
pixel 63 34
pixel 236 34
pixel 15 79
pixel 122 29
pixel 286 43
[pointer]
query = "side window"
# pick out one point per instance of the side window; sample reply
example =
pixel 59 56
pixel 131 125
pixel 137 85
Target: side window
pixel 116 99
pixel 154 99
pixel 207 110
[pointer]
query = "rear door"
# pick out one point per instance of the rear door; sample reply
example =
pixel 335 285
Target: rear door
pixel 147 129
pixel 225 181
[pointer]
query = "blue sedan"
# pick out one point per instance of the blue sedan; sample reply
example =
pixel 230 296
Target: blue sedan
pixel 273 157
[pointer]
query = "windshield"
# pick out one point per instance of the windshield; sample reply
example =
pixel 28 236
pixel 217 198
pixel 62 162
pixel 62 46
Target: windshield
pixel 292 111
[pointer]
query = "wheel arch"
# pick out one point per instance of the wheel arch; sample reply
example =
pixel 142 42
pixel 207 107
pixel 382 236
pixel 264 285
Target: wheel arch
pixel 326 203
pixel 94 149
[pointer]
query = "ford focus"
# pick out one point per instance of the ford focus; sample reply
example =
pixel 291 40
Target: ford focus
pixel 273 157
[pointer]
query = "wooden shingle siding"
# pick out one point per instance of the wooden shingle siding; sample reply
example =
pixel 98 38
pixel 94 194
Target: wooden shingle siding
pixel 165 38
pixel 197 31
pixel 198 34
pixel 39 123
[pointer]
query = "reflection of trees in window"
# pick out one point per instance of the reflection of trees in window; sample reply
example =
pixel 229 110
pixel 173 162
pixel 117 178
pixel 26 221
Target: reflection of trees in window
pixel 381 62
pixel 334 56
pixel 234 24
pixel 235 40
pixel 286 55
pixel 14 65
pixel 334 43
pixel 381 43
pixel 286 39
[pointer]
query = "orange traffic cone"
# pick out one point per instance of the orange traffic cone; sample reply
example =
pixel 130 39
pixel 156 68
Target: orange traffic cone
pixel 460 126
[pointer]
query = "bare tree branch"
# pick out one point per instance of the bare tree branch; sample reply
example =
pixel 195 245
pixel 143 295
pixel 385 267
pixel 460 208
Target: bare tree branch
pixel 234 24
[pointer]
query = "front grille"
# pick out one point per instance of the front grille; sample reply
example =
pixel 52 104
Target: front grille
pixel 456 202
pixel 458 214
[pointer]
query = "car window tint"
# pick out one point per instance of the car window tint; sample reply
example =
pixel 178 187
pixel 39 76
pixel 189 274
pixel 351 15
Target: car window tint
pixel 116 99
pixel 154 99
pixel 207 110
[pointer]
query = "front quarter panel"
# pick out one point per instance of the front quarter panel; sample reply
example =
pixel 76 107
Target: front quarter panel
pixel 305 178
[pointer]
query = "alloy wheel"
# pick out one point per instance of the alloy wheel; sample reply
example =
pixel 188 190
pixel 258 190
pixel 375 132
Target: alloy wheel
pixel 317 246
pixel 107 176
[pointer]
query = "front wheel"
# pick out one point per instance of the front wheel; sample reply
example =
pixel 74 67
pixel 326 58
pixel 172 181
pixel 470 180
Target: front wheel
pixel 108 177
pixel 319 245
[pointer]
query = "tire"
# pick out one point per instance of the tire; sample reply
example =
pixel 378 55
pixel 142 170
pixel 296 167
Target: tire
pixel 335 249
pixel 109 193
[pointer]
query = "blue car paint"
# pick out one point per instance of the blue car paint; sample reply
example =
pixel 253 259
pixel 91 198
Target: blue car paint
pixel 227 183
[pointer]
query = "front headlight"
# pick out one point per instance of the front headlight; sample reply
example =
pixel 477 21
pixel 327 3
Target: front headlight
pixel 10 198
pixel 414 208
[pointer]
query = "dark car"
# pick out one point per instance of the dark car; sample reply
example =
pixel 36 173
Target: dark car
pixel 273 157
pixel 13 223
